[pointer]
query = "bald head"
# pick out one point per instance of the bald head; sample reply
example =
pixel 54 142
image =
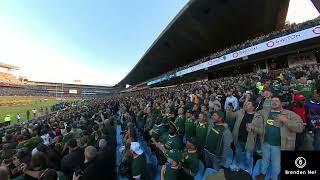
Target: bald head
pixel 102 143
pixel 90 153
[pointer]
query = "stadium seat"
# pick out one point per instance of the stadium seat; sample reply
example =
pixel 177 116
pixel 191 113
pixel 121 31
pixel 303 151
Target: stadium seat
pixel 200 171
pixel 208 172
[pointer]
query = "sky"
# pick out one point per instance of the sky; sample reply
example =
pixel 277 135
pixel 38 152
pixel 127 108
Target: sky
pixel 97 42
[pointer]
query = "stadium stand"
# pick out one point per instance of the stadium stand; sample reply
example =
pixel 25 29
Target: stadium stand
pixel 11 86
pixel 289 28
pixel 7 78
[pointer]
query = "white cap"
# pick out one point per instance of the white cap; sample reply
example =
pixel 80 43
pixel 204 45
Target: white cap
pixel 34 151
pixel 136 148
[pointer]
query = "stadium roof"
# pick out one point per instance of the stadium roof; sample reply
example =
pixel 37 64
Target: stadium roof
pixel 8 66
pixel 316 4
pixel 203 27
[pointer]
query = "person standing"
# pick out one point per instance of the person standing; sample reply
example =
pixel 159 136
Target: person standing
pixel 170 170
pixel 139 166
pixel 73 160
pixel 313 109
pixel 190 160
pixel 278 132
pixel 172 141
pixel 34 112
pixel 244 140
pixel 180 123
pixel 28 114
pixel 46 111
pixel 232 100
pixel 190 125
pixel 264 102
pixel 7 120
pixel 18 117
pixel 302 87
pixel 201 133
pixel 218 143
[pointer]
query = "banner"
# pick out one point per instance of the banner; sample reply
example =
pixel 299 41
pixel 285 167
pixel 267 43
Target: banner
pixel 302 59
pixel 265 46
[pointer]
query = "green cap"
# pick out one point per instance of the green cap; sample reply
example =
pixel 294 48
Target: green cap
pixel 193 141
pixel 174 155
pixel 220 114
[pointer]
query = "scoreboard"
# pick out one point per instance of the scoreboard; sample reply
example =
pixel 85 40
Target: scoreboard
pixel 73 91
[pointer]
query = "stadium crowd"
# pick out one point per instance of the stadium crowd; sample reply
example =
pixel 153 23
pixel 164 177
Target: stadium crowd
pixel 232 127
pixel 21 91
pixel 228 123
pixel 287 29
pixel 77 142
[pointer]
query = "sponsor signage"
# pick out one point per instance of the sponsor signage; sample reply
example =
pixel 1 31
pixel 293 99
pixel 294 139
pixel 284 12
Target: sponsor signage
pixel 265 46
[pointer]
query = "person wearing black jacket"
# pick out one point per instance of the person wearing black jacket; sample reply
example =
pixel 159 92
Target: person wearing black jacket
pixel 264 102
pixel 95 166
pixel 106 158
pixel 73 160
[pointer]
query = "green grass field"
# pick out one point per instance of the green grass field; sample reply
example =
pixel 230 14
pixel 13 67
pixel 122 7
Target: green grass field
pixel 36 103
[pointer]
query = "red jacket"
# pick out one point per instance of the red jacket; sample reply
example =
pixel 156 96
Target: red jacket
pixel 301 111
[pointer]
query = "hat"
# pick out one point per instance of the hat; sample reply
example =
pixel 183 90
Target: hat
pixel 220 114
pixel 136 148
pixel 258 84
pixel 34 152
pixel 193 141
pixel 174 155
pixel 299 97
pixel 216 102
pixel 309 82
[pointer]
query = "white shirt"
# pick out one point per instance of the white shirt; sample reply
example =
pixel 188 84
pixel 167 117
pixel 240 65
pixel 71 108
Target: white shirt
pixel 46 139
pixel 234 101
